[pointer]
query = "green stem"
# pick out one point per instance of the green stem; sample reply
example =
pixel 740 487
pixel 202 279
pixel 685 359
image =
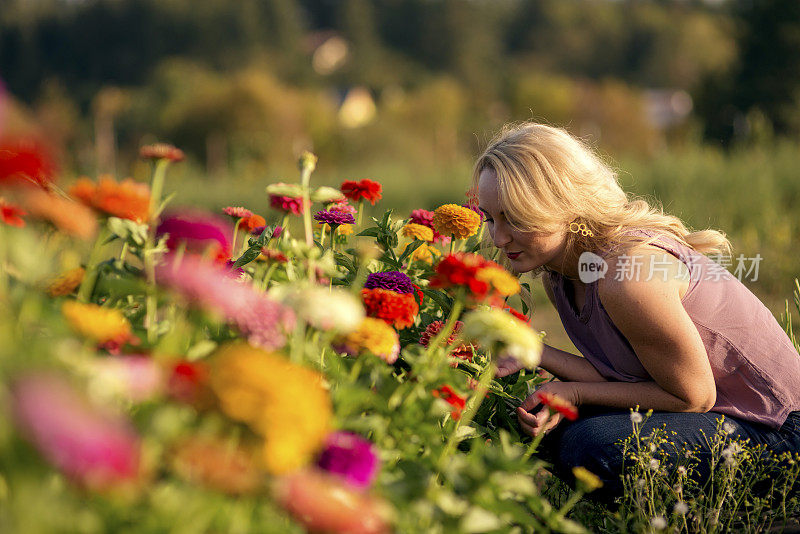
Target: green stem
pixel 3 261
pixel 333 237
pixel 571 502
pixel 305 179
pixel 121 260
pixel 235 235
pixel 360 212
pixel 268 276
pixel 157 187
pixel 452 242
pixel 90 277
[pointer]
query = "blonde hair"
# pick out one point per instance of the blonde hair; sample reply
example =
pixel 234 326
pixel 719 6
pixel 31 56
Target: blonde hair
pixel 548 179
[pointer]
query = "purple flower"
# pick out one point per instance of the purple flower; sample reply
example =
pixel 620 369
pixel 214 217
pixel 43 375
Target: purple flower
pixel 391 280
pixel 334 217
pixel 195 228
pixel 351 457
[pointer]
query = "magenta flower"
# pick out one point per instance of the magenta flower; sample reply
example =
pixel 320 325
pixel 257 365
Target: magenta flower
pixel 351 457
pixel 292 205
pixel 259 318
pixel 391 280
pixel 94 448
pixel 334 217
pixel 195 228
pixel 425 218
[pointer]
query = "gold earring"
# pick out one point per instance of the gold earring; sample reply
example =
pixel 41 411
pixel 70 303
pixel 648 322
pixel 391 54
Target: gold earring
pixel 580 228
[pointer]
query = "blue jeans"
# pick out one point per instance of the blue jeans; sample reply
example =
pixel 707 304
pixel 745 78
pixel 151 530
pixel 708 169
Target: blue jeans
pixel 594 441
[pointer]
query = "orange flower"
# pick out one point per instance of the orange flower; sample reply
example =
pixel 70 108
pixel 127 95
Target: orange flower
pixel 556 404
pixel 252 222
pixel 69 216
pixel 217 464
pixel 455 220
pixel 418 231
pixel 161 151
pixel 11 214
pixel 365 189
pixel 397 309
pixel 447 394
pixel 66 283
pixel 126 199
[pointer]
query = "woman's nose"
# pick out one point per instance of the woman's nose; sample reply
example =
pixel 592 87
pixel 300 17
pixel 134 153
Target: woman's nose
pixel 501 235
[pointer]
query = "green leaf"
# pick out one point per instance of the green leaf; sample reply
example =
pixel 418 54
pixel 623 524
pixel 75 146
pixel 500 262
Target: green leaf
pixel 249 255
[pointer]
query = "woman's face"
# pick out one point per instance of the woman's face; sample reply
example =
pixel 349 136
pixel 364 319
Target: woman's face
pixel 525 250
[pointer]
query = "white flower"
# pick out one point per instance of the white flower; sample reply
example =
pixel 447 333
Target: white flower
pixel 728 428
pixel 325 309
pixel 636 418
pixel 654 464
pixel 658 523
pixel 491 327
pixel 640 483
pixel 681 508
pixel 682 470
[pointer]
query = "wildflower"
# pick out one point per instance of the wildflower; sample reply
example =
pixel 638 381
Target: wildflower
pixel 391 280
pixel 395 308
pixel 681 508
pixel 252 221
pixel 323 503
pixel 682 470
pixel 456 221
pixel 161 151
pixel 557 404
pixel 217 464
pixel 70 217
pixel 658 523
pixel 25 161
pixel 283 402
pixel 636 418
pixel 351 457
pixel 589 480
pixel 66 283
pixel 196 230
pixel 425 218
pixel 462 351
pixel 654 464
pixel 447 394
pixel 418 231
pixel 334 217
pixel 424 253
pixel 363 190
pixel 188 382
pixel 728 428
pixel 11 214
pixel 504 335
pixel 500 280
pixel 237 212
pixel 337 310
pixel 372 335
pixel 640 482
pixel 96 323
pixel 126 199
pixel 262 320
pixel 95 448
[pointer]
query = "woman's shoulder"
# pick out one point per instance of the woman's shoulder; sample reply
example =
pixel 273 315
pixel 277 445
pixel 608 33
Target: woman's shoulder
pixel 643 270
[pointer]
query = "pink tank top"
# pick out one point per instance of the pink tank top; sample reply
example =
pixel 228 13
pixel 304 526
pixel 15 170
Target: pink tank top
pixel 756 368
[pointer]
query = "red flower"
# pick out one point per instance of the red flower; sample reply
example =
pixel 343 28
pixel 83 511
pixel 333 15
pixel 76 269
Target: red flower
pixel 557 404
pixel 365 189
pixel 11 214
pixel 252 222
pixel 188 382
pixel 522 317
pixel 447 394
pixel 25 161
pixel 397 309
pixel 459 269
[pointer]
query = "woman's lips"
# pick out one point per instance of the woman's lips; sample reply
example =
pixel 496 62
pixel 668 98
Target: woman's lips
pixel 513 255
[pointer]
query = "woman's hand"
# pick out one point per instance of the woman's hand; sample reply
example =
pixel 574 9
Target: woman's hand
pixel 541 421
pixel 507 366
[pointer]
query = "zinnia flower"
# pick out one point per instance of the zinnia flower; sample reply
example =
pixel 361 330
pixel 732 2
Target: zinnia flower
pixel 557 404
pixel 126 199
pixel 95 448
pixel 161 151
pixel 237 212
pixel 324 309
pixel 424 252
pixel 391 280
pixel 251 222
pixel 503 282
pixel 11 214
pixel 66 283
pixel 350 457
pixel 324 504
pixel 372 335
pixel 217 464
pixel 448 394
pixel 425 218
pixel 286 404
pixel 99 324
pixel 365 189
pixel 334 217
pixel 25 161
pixel 455 220
pixel 196 229
pixel 72 218
pixel 343 206
pixel 397 309
pixel 460 270
pixel 262 320
pixel 418 231
pixel 462 351
pixel 503 334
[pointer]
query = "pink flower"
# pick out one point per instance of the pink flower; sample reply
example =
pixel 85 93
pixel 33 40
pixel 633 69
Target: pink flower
pixel 287 204
pixel 136 377
pixel 425 218
pixel 195 228
pixel 95 448
pixel 237 212
pixel 343 206
pixel 350 457
pixel 262 320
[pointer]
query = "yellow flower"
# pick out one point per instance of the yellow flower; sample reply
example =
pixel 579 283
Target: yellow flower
pixel 455 220
pixel 66 282
pixel 424 253
pixel 342 229
pixel 95 322
pixel 501 280
pixel 375 336
pixel 285 403
pixel 587 479
pixel 418 231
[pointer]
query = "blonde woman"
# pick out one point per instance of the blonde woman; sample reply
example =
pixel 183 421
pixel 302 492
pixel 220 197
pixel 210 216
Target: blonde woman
pixel 659 324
